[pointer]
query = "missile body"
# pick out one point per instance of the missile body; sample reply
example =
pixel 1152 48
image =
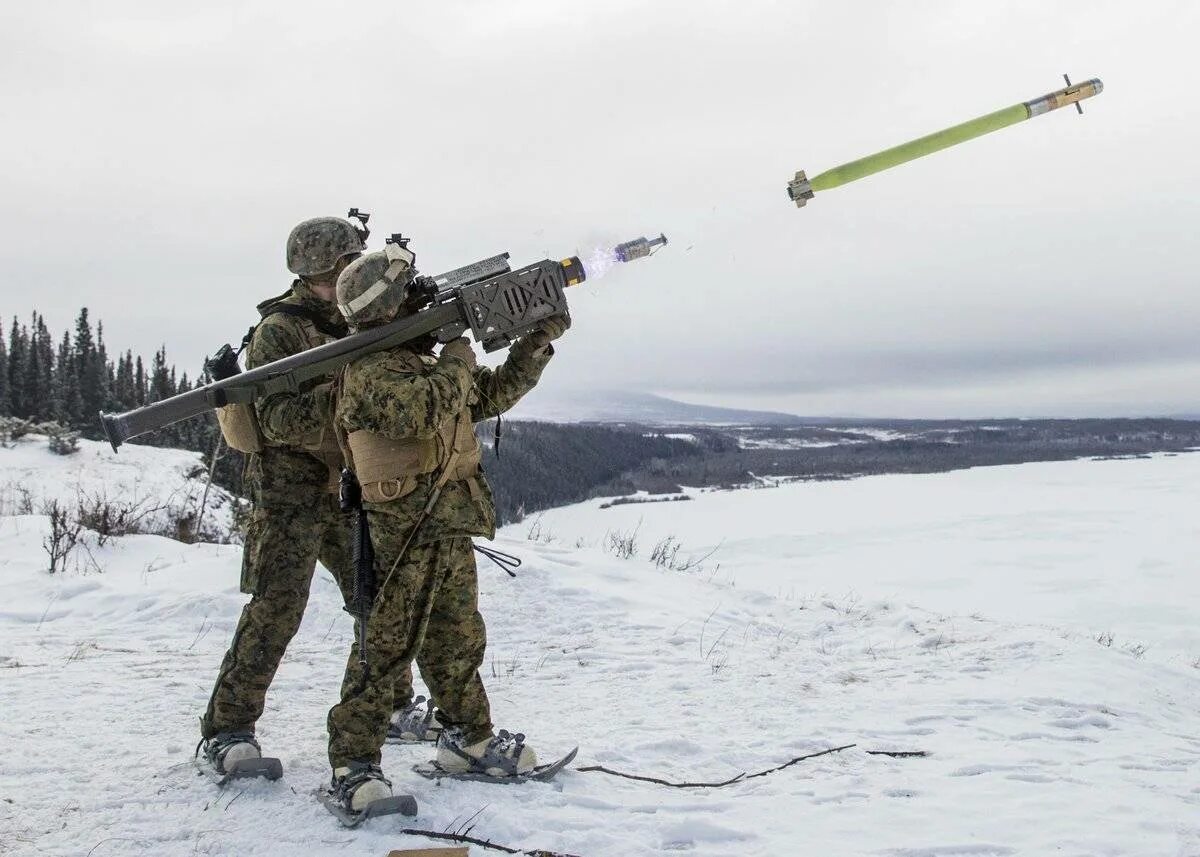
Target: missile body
pixel 638 248
pixel 801 189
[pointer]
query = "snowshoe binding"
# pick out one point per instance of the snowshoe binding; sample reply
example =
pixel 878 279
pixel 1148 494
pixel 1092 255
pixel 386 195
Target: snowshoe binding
pixel 361 791
pixel 413 724
pixel 501 758
pixel 236 756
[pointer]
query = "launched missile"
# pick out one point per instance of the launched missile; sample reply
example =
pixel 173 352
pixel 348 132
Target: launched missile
pixel 801 189
pixel 638 248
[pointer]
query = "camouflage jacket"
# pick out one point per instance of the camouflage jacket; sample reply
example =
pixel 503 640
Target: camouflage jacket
pixel 383 393
pixel 292 469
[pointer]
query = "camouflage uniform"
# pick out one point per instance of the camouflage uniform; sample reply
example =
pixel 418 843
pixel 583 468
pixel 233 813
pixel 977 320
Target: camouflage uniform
pixel 296 521
pixel 428 606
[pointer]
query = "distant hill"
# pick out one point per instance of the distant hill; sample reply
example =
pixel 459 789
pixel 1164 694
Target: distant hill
pixel 612 406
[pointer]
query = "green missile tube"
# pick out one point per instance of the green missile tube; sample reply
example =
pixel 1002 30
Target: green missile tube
pixel 801 189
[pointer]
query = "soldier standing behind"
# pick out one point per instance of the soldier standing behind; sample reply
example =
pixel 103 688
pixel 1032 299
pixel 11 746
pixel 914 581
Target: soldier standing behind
pixel 292 480
pixel 408 420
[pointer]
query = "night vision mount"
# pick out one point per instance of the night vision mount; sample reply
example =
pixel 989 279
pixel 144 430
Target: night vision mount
pixel 361 227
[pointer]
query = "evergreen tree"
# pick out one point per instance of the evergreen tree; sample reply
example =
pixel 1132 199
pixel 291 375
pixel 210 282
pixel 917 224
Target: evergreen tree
pixel 40 372
pixel 104 371
pixel 5 399
pixel 162 385
pixel 124 393
pixel 139 383
pixel 68 404
pixel 85 362
pixel 18 370
pixel 46 381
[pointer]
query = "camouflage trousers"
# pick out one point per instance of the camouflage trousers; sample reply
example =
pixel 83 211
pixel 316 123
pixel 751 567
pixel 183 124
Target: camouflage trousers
pixel 427 609
pixel 281 552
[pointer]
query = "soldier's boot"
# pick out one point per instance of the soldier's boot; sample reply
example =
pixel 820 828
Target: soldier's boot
pixel 356 786
pixel 500 755
pixel 413 723
pixel 225 749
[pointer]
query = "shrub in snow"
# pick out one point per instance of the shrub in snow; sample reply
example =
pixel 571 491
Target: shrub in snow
pixel 64 539
pixel 622 545
pixel 666 553
pixel 13 429
pixel 15 500
pixel 62 441
pixel 109 518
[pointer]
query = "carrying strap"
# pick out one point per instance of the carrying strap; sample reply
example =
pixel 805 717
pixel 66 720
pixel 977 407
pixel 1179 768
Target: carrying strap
pixel 452 459
pixel 276 306
pixel 323 325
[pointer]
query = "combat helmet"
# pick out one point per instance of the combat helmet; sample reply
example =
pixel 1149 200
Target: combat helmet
pixel 315 245
pixel 375 284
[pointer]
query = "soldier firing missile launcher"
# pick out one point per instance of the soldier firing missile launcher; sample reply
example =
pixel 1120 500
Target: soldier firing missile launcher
pixel 801 189
pixel 486 299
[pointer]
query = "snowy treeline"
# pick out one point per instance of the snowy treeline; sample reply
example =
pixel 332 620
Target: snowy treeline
pixel 70 379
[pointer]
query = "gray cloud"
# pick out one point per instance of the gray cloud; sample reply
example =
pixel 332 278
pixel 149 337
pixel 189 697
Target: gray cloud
pixel 156 158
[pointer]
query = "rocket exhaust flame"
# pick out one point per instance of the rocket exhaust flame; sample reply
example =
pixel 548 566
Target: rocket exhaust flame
pixel 599 262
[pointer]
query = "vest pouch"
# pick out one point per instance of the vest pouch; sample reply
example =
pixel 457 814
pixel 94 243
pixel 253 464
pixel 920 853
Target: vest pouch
pixel 389 489
pixel 239 426
pixel 380 459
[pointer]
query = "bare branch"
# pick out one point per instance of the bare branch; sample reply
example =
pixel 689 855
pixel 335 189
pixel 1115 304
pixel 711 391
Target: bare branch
pixel 482 843
pixel 739 778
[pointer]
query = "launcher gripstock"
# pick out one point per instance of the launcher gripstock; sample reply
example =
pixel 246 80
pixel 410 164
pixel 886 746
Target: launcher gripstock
pixel 488 299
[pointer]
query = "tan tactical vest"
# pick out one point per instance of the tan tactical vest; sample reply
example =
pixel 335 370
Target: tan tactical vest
pixel 239 423
pixel 388 469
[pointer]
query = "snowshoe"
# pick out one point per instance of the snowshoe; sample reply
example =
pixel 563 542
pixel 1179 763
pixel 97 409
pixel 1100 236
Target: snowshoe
pixel 360 791
pixel 502 758
pixel 413 724
pixel 236 756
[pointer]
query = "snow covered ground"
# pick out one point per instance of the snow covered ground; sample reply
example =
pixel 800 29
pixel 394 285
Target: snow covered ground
pixel 160 488
pixel 789 443
pixel 1093 546
pixel 952 614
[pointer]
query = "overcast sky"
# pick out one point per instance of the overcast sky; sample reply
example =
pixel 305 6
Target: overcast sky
pixel 155 156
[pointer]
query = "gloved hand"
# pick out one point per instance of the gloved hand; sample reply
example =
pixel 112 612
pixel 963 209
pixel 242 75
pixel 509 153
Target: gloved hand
pixel 549 330
pixel 460 349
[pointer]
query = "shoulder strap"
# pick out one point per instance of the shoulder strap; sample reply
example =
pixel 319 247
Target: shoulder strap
pixel 321 324
pixel 264 307
pixel 451 459
pixel 275 305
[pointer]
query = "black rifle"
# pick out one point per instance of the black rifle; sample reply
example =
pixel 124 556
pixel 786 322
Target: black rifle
pixel 363 552
pixel 487 299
